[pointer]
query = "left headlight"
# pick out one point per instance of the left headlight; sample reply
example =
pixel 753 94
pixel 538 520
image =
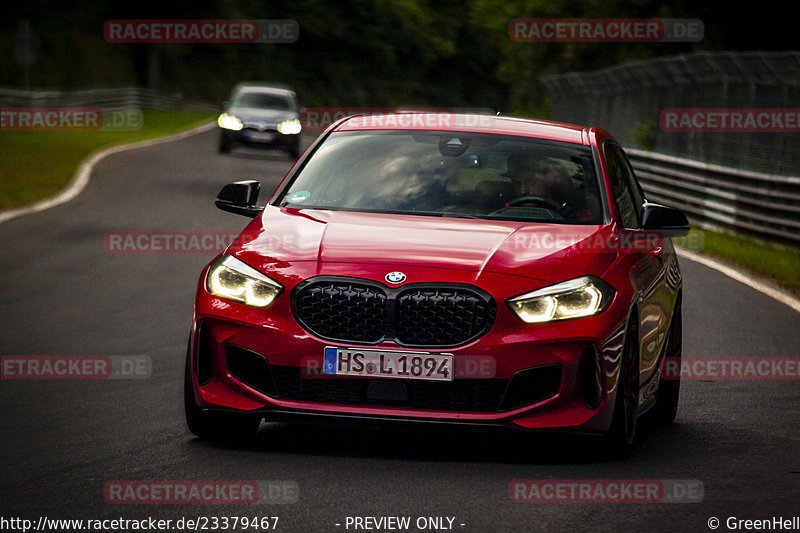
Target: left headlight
pixel 290 127
pixel 234 280
pixel 229 122
pixel 576 298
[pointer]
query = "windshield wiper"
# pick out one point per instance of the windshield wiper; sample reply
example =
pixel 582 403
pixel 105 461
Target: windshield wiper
pixel 441 214
pixel 462 215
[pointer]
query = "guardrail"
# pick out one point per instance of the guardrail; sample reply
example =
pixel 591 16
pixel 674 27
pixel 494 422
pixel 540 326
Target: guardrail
pixel 104 99
pixel 753 203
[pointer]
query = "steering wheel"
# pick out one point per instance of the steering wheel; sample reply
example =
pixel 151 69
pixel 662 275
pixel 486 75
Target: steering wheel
pixel 550 205
pixel 536 200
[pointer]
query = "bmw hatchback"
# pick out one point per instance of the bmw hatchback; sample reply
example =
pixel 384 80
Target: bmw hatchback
pixel 443 268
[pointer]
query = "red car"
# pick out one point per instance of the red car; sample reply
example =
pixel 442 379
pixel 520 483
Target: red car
pixel 443 268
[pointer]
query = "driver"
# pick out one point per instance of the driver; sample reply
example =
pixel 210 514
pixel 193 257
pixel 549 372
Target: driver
pixel 535 175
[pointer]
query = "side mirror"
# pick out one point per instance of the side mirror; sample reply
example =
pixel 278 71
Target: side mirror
pixel 668 221
pixel 240 198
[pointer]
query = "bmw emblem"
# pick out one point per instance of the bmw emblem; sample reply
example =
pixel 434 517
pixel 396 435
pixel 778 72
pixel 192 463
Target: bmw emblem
pixel 395 277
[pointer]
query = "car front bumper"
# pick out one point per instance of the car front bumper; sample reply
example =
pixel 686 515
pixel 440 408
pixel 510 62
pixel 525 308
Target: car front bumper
pixel 549 376
pixel 268 139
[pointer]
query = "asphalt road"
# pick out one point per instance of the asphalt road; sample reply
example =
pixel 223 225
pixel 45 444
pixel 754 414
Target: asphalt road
pixel 62 293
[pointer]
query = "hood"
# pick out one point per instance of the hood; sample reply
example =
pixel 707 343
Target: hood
pixel 546 252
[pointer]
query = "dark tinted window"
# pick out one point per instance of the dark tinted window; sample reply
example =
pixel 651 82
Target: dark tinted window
pixel 636 189
pixel 621 176
pixel 263 100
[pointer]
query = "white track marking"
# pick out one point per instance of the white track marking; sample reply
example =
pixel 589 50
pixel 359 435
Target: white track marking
pixel 741 277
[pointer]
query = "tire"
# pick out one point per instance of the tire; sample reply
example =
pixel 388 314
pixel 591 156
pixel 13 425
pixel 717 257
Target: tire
pixel 210 425
pixel 294 151
pixel 666 408
pixel 224 145
pixel 621 436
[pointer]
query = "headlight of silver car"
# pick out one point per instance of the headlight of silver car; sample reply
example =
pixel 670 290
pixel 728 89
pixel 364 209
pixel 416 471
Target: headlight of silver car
pixel 232 279
pixel 229 122
pixel 576 298
pixel 290 127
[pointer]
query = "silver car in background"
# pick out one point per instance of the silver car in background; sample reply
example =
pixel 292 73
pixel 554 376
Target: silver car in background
pixel 261 116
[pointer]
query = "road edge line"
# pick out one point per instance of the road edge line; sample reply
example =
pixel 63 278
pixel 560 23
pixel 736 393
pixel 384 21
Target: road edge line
pixel 81 178
pixel 737 275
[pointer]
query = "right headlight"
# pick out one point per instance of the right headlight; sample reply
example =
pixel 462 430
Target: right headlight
pixel 576 298
pixel 235 280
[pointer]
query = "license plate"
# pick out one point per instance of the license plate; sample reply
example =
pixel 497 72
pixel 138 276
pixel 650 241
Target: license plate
pixel 385 364
pixel 261 136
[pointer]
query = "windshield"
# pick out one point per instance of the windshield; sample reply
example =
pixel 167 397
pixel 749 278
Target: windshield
pixel 263 100
pixel 450 174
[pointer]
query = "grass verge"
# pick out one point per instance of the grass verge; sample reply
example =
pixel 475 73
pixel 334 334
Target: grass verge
pixel 37 164
pixel 776 263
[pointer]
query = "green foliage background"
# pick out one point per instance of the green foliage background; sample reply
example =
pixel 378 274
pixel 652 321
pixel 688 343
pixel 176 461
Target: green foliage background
pixel 360 52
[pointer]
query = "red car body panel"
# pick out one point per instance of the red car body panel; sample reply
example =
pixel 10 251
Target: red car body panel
pixel 504 258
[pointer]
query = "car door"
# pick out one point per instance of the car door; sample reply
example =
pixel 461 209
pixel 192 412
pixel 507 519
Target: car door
pixel 644 254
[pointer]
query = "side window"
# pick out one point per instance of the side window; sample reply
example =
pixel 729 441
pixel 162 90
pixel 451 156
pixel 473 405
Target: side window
pixel 624 196
pixel 638 194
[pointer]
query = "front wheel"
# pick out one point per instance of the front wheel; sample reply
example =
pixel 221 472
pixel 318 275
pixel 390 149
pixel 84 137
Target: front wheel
pixel 224 144
pixel 294 151
pixel 211 425
pixel 666 408
pixel 621 435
